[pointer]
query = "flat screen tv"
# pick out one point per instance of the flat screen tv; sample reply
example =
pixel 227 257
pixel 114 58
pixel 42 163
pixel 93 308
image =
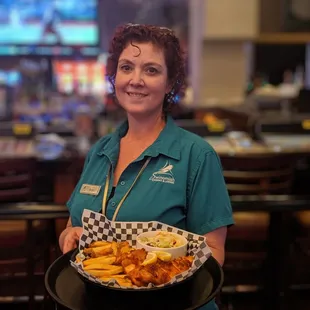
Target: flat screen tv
pixel 85 77
pixel 48 26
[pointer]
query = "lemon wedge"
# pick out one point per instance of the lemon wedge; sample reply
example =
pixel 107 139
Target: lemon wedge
pixel 164 256
pixel 151 258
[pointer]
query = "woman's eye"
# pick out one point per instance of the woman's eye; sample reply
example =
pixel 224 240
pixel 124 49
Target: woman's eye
pixel 126 68
pixel 152 70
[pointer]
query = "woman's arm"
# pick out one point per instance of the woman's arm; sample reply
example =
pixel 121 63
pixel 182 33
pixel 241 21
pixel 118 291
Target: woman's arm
pixel 69 238
pixel 64 233
pixel 209 212
pixel 216 242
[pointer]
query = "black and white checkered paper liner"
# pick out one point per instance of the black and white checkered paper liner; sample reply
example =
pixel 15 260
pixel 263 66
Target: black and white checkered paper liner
pixel 97 227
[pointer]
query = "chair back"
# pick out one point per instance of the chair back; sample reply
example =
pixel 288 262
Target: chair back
pixel 269 174
pixel 16 179
pixel 247 240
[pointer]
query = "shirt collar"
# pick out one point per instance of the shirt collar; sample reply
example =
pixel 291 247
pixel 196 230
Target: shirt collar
pixel 167 143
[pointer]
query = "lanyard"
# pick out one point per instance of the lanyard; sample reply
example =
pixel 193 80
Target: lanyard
pixel 106 189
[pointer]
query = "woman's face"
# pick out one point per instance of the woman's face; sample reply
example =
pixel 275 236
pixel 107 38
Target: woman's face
pixel 141 80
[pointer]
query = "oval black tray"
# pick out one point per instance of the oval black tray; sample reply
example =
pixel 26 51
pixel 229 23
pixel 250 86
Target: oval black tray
pixel 69 291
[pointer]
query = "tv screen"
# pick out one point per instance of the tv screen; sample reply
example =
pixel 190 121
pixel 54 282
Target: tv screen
pixel 85 77
pixel 57 23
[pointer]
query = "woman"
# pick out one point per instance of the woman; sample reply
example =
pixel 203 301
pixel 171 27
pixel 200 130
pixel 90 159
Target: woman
pixel 149 168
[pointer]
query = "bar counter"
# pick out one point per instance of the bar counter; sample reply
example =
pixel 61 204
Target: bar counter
pixel 62 173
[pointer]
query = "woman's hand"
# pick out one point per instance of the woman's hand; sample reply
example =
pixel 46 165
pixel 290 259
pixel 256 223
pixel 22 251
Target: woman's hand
pixel 71 238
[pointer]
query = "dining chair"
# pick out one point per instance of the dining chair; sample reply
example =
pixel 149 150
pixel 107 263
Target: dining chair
pixel 247 240
pixel 258 175
pixel 23 245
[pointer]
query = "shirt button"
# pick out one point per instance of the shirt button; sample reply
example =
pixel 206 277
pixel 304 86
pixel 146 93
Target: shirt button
pixel 123 183
pixel 113 203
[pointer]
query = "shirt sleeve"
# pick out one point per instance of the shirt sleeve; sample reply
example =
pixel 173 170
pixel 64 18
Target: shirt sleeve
pixel 70 201
pixel 209 205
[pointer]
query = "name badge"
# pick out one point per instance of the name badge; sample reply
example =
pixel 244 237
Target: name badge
pixel 89 189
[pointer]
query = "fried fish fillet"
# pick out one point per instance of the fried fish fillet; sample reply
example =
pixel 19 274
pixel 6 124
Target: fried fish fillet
pixel 135 257
pixel 121 250
pixel 158 273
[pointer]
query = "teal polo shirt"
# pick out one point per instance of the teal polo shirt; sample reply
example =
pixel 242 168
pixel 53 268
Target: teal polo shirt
pixel 182 185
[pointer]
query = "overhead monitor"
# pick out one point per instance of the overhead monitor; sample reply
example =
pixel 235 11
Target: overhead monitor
pixel 47 27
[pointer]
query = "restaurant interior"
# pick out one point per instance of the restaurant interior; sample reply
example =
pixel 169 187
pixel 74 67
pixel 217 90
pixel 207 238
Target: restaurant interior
pixel 248 95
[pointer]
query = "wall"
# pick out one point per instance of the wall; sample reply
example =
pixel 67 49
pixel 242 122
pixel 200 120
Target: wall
pixel 228 27
pixel 227 19
pixel 224 73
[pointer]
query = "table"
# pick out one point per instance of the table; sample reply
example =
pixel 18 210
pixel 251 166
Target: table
pixel 273 144
pixel 32 211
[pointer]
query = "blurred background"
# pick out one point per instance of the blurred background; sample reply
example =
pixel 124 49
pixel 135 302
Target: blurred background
pixel 248 95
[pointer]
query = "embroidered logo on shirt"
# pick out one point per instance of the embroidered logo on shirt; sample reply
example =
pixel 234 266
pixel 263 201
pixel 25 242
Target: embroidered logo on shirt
pixel 89 189
pixel 164 175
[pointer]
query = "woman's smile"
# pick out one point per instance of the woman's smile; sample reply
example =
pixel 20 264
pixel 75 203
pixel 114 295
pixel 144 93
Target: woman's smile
pixel 136 95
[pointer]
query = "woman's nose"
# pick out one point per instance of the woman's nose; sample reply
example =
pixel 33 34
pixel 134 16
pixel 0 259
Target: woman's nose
pixel 136 78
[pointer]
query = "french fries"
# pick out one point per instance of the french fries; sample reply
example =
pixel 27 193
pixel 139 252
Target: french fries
pixel 99 251
pixel 102 273
pixel 99 261
pixel 120 279
pixel 100 267
pixel 114 247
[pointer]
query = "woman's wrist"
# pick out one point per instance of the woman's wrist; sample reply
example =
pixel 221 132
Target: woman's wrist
pixel 63 236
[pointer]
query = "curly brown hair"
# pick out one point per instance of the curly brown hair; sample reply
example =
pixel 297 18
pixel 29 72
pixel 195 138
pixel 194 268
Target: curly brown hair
pixel 161 37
